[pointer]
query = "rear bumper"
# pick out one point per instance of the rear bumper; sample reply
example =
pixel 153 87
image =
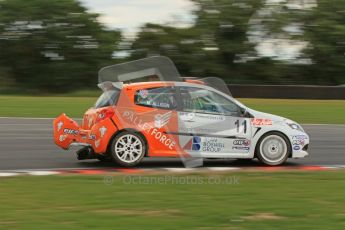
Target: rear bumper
pixel 67 133
pixel 78 144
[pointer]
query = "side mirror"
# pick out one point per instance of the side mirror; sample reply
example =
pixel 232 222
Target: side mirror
pixel 244 113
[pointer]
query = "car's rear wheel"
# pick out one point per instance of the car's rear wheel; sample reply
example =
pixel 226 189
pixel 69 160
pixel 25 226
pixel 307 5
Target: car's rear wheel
pixel 128 148
pixel 273 149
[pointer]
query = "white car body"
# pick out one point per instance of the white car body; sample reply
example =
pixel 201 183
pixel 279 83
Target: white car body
pixel 219 136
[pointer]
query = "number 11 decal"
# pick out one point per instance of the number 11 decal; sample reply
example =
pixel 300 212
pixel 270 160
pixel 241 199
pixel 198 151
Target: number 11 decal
pixel 244 124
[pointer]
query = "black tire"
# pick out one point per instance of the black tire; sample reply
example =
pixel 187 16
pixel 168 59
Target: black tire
pixel 262 151
pixel 132 153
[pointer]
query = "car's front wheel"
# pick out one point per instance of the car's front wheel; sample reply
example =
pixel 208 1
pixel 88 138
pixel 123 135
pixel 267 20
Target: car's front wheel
pixel 273 149
pixel 128 148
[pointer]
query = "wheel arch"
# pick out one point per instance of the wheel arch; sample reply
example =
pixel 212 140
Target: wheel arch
pixel 273 131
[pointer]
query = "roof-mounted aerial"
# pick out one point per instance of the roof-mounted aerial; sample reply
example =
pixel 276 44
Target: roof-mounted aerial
pixel 148 69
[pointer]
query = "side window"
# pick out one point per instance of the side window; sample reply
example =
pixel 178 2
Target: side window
pixel 204 101
pixel 162 97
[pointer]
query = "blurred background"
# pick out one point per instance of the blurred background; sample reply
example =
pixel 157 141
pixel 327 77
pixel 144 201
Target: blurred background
pixel 58 46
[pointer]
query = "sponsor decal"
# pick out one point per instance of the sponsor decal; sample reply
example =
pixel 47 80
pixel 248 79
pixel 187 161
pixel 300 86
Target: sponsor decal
pixel 150 129
pixel 210 117
pixel 59 125
pixel 298 142
pixel 92 137
pixel 162 119
pixel 299 137
pixel 261 122
pixel 197 130
pixel 143 93
pixel 101 115
pixel 296 147
pixel 90 122
pixel 97 143
pixel 71 131
pixel 243 142
pixel 186 116
pixel 207 144
pixel 212 144
pixel 164 105
pixel 102 130
pixel 161 137
pixel 246 148
pixel 196 141
pixel 62 138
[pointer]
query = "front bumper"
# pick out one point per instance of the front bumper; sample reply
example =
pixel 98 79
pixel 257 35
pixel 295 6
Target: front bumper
pixel 300 144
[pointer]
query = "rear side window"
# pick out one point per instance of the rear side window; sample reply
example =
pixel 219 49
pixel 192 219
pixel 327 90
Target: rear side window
pixel 108 98
pixel 162 97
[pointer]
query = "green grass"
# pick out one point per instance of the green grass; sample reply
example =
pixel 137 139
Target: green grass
pixel 28 106
pixel 303 111
pixel 271 200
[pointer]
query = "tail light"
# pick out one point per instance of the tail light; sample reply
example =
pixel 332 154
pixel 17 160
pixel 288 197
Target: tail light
pixel 104 114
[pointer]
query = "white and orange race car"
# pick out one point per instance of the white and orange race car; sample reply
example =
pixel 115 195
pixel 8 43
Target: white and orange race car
pixel 148 110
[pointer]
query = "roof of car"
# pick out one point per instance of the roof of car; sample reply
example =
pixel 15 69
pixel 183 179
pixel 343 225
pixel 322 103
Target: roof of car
pixel 149 83
pixel 158 84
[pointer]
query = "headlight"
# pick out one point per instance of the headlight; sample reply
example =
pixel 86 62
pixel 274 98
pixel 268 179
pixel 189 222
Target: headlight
pixel 294 125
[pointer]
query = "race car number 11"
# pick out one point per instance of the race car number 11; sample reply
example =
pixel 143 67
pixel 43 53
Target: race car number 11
pixel 244 124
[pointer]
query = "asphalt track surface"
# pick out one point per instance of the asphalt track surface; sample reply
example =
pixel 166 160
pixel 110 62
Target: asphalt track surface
pixel 28 144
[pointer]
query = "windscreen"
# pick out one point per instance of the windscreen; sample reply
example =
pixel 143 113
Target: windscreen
pixel 158 68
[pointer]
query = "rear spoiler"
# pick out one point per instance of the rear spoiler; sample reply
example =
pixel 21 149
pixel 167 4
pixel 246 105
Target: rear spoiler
pixel 107 85
pixel 159 66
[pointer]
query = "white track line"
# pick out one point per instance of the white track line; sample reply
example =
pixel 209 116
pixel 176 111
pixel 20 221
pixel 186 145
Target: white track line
pixel 178 169
pixel 222 168
pixel 146 169
pixel 52 169
pixel 42 173
pixel 28 118
pixel 341 125
pixel 36 118
pixel 38 172
pixel 8 174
